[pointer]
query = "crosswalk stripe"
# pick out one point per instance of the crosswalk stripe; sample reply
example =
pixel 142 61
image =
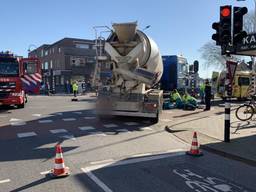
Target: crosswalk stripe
pixel 87 118
pixel 5 181
pixel 77 112
pixel 14 120
pixel 86 128
pixel 68 137
pixel 18 123
pixel 36 115
pixel 97 133
pixel 165 120
pixel 122 130
pixel 146 129
pixel 26 134
pixel 110 125
pixel 69 119
pixel 45 121
pixel 55 131
pixel 131 123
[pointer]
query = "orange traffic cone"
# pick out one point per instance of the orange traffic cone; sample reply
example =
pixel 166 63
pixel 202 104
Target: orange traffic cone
pixel 59 168
pixel 194 151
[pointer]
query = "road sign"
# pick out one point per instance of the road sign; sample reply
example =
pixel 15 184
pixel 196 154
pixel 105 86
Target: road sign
pixel 247 46
pixel 231 66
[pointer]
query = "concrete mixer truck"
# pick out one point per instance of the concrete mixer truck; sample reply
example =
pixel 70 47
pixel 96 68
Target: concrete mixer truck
pixel 136 66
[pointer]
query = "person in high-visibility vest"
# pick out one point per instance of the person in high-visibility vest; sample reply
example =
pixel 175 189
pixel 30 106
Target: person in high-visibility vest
pixel 190 103
pixel 175 97
pixel 75 88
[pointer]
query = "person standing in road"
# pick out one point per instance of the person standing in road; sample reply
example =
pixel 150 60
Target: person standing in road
pixel 207 95
pixel 75 88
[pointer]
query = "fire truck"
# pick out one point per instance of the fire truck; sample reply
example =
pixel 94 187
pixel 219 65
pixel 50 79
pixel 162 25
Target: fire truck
pixel 18 77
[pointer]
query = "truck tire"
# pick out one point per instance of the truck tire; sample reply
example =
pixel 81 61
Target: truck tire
pixel 156 119
pixel 22 105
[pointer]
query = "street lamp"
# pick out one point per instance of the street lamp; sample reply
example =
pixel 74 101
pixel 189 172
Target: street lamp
pixel 148 26
pixel 29 48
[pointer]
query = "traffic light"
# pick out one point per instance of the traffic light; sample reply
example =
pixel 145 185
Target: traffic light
pixel 216 36
pixel 196 66
pixel 238 33
pixel 225 24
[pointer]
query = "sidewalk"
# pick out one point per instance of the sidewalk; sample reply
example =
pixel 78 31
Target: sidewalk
pixel 210 129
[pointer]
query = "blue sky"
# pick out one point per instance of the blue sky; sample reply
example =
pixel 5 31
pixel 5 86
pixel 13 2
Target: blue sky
pixel 178 26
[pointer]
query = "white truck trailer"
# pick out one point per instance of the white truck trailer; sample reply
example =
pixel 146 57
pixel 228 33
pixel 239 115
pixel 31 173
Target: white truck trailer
pixel 136 66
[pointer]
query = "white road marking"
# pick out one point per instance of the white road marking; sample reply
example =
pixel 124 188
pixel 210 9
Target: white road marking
pixel 68 137
pixel 14 120
pixel 58 113
pixel 26 134
pixel 77 112
pixel 122 130
pixel 100 162
pixel 88 118
pixel 18 123
pixel 55 131
pixel 36 115
pixel 97 133
pixel 69 119
pixel 146 129
pixel 86 128
pixel 97 180
pixel 5 181
pixel 110 125
pixel 141 155
pixel 88 170
pixel 45 121
pixel 166 120
pixel 131 123
pixel 45 172
pixel 174 153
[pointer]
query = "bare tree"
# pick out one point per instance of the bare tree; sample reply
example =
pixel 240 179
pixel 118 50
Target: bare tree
pixel 211 53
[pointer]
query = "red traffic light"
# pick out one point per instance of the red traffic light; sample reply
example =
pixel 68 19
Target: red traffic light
pixel 225 12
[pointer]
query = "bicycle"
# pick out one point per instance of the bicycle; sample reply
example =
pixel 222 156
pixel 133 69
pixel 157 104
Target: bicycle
pixel 247 110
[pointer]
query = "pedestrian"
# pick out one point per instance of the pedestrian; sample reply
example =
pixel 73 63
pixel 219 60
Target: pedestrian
pixel 201 92
pixel 207 95
pixel 75 88
pixel 67 85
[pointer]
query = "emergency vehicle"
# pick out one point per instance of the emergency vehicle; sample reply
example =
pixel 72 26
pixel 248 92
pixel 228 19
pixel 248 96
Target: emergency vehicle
pixel 240 86
pixel 18 77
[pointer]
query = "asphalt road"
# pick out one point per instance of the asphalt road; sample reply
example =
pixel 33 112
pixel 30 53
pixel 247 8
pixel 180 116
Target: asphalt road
pixel 119 154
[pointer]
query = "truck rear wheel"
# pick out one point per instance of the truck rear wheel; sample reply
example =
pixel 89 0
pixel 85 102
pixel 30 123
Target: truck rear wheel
pixel 22 105
pixel 156 119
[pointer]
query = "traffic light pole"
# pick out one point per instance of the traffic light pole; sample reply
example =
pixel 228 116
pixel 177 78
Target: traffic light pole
pixel 228 88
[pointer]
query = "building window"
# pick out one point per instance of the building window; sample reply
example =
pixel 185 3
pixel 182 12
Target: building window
pixel 91 60
pixel 51 64
pixel 53 50
pixel 57 80
pixel 62 80
pixel 46 65
pixel 94 47
pixel 107 65
pixel 82 46
pixel 46 53
pixel 59 50
pixel 42 53
pixel 78 61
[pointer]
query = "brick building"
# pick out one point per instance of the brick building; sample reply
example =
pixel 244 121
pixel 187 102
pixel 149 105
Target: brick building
pixel 68 59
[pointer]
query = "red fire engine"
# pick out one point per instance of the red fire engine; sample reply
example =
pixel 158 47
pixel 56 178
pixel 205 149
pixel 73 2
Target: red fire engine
pixel 18 77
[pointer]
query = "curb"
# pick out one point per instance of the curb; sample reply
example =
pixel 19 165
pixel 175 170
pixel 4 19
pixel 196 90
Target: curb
pixel 216 151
